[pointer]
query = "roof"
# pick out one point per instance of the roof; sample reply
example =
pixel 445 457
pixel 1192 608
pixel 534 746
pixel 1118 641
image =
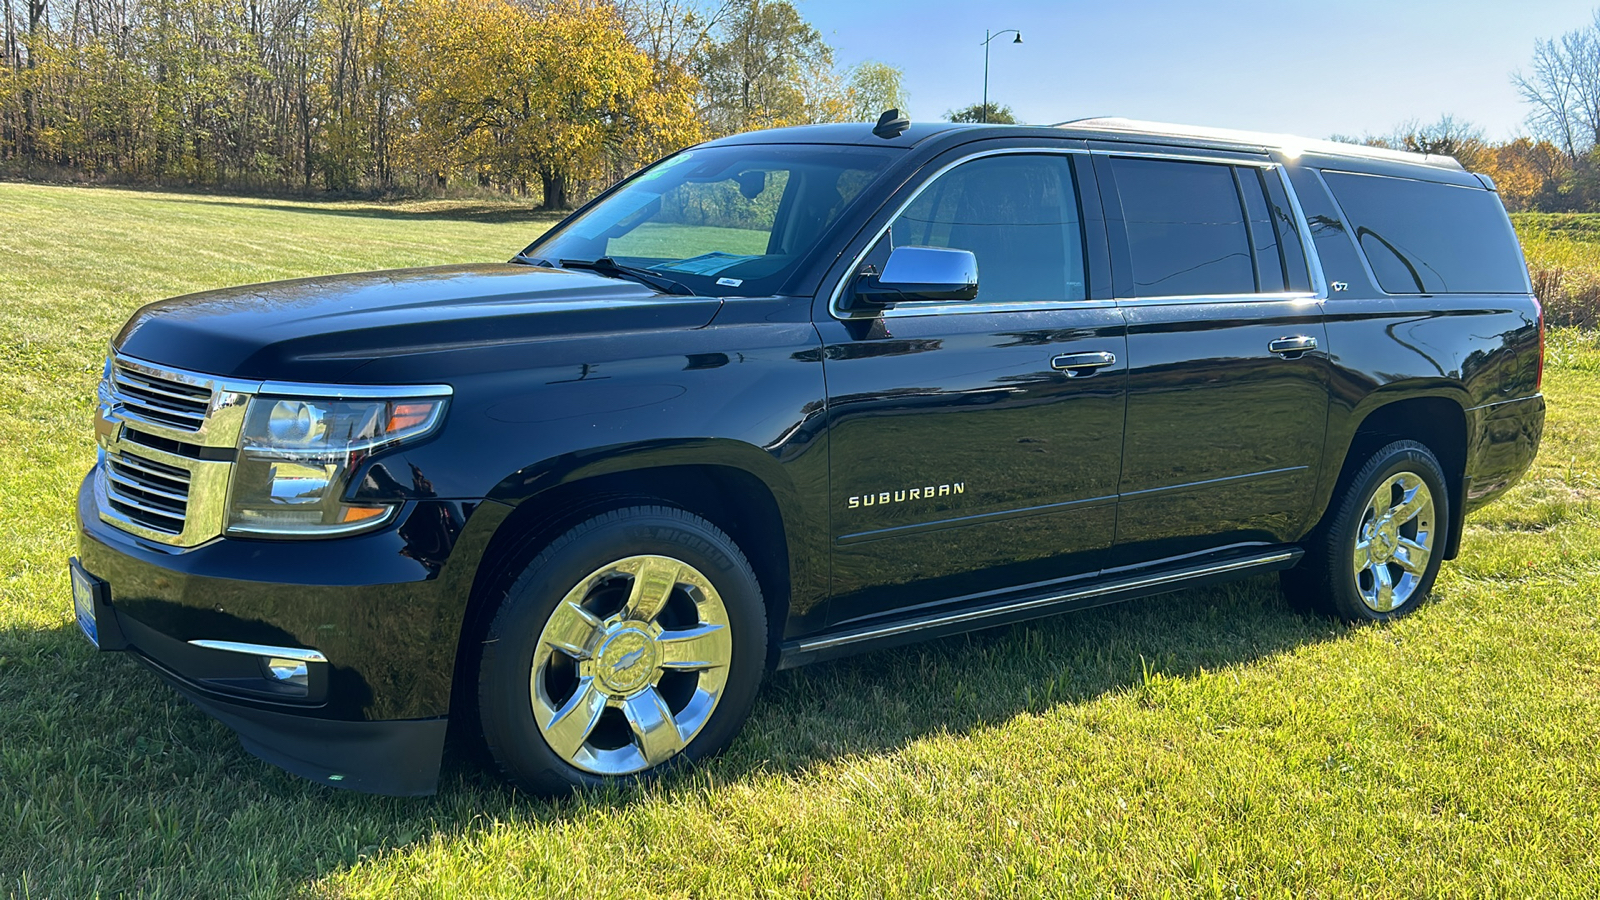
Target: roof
pixel 843 133
pixel 1103 128
pixel 1287 144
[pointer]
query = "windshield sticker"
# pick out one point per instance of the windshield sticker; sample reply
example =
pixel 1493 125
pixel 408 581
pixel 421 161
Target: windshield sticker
pixel 704 264
pixel 730 282
pixel 661 168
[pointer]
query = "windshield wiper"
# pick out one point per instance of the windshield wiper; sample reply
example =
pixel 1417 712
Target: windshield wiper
pixel 605 265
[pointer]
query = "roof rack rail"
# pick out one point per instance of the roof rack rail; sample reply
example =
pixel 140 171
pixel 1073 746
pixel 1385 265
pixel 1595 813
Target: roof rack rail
pixel 1287 144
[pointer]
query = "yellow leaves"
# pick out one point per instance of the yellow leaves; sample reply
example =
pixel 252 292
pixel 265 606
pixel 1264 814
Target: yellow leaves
pixel 1521 169
pixel 500 88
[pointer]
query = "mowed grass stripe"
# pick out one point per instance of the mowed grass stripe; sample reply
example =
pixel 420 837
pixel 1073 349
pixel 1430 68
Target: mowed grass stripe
pixel 1208 743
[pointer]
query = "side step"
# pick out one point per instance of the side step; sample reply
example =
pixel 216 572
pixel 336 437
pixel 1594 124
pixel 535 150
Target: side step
pixel 817 648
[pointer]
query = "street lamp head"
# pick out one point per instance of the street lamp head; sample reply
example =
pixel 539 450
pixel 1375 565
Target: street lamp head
pixel 1019 38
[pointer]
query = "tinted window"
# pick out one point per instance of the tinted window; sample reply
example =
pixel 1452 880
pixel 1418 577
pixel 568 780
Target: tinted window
pixel 1186 228
pixel 1263 231
pixel 725 221
pixel 1288 229
pixel 1017 214
pixel 1422 237
pixel 1336 250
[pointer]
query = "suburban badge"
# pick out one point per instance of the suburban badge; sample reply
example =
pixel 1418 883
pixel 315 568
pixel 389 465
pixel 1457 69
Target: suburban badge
pixel 883 498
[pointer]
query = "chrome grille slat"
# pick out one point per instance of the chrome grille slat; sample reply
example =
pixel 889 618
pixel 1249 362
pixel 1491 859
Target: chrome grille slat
pixel 151 467
pixel 153 519
pixel 165 401
pixel 180 499
pixel 174 390
pixel 152 494
pixel 123 500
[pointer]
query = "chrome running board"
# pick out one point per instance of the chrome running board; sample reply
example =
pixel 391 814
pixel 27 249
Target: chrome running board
pixel 827 646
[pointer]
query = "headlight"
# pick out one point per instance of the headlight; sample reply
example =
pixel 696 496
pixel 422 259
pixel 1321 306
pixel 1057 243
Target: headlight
pixel 296 456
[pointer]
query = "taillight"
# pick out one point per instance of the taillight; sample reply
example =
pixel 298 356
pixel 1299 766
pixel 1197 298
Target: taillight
pixel 1538 379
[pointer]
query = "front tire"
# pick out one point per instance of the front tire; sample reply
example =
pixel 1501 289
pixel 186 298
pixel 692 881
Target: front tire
pixel 631 644
pixel 1378 554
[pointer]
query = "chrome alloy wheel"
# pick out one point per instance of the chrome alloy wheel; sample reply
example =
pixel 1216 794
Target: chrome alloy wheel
pixel 1394 542
pixel 630 665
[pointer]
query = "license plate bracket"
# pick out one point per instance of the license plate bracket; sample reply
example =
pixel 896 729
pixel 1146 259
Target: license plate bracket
pixel 91 605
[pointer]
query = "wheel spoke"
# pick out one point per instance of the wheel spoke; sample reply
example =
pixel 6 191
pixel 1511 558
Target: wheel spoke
pixel 1377 506
pixel 702 647
pixel 1412 556
pixel 1363 556
pixel 571 629
pixel 653 727
pixel 575 720
pixel 1415 500
pixel 1385 587
pixel 652 585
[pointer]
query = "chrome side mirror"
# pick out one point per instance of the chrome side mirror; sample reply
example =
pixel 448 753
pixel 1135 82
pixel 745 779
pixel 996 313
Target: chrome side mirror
pixel 921 275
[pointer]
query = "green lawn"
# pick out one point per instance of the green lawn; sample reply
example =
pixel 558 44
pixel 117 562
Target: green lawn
pixel 1210 743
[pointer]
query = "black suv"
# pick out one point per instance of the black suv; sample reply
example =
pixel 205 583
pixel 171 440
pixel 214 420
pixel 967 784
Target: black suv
pixel 790 395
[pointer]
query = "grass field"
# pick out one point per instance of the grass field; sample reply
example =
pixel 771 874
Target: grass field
pixel 1208 744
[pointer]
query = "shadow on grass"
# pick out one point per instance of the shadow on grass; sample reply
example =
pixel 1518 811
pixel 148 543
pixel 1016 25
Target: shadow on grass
pixel 146 770
pixel 421 211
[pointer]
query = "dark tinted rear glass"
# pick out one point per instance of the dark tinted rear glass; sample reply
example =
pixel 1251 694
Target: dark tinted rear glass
pixel 1422 237
pixel 1269 262
pixel 1186 228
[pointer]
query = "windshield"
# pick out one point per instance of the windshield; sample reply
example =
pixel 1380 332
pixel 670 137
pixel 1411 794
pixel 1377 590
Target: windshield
pixel 722 221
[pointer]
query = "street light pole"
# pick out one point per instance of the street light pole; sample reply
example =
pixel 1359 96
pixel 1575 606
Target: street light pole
pixel 987 37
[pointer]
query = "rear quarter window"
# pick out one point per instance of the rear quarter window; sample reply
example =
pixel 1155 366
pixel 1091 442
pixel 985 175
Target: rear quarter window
pixel 1422 237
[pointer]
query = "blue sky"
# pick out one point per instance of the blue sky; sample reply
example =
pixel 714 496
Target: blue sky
pixel 1314 69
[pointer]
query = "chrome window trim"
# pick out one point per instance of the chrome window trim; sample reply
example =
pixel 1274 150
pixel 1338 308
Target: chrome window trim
pixel 964 306
pixel 1183 299
pixel 1319 282
pixel 301 654
pixel 1186 157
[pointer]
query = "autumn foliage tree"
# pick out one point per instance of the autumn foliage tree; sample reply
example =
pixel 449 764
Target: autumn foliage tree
pixel 507 93
pixel 549 98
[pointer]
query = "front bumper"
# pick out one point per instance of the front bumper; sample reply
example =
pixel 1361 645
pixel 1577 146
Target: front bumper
pixel 385 609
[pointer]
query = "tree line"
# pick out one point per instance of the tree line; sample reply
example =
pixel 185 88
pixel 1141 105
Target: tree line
pixel 545 98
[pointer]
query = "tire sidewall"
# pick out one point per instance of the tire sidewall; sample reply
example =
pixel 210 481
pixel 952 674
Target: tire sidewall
pixel 504 701
pixel 1394 459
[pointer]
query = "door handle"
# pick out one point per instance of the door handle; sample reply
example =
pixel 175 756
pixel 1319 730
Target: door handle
pixel 1292 347
pixel 1082 365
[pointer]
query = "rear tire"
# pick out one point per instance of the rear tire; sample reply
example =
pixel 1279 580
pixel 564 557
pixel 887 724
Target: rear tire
pixel 1376 556
pixel 631 645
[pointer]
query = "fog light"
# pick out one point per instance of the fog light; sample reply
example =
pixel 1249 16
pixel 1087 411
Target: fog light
pixel 287 671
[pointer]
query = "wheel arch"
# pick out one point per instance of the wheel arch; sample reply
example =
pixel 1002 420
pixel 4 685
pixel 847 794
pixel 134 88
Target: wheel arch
pixel 737 487
pixel 1436 420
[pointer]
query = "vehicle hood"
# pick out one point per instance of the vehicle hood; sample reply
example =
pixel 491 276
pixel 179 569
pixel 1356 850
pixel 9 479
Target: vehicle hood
pixel 323 329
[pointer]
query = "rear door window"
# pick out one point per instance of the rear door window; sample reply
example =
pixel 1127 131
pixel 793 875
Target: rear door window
pixel 1186 226
pixel 1270 273
pixel 1423 237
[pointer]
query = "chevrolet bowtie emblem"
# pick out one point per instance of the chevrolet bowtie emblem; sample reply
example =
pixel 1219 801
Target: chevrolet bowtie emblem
pixel 629 659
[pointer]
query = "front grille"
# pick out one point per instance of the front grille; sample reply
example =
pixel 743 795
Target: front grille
pixel 148 493
pixel 161 400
